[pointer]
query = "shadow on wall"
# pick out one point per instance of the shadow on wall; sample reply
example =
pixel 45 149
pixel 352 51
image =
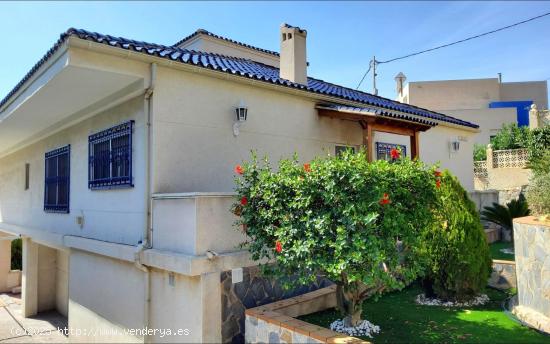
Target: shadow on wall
pixel 255 290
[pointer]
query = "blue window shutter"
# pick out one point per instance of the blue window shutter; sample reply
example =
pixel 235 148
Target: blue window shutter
pixel 57 180
pixel 110 157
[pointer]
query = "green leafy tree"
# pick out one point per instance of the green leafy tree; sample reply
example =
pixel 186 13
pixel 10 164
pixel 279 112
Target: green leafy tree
pixel 460 260
pixel 17 254
pixel 356 223
pixel 538 193
pixel 539 145
pixel 480 152
pixel 510 136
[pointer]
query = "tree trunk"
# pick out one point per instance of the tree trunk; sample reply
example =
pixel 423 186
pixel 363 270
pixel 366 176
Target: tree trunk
pixel 349 304
pixel 354 315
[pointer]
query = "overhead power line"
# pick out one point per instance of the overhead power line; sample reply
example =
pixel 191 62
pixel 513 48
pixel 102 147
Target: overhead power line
pixel 364 75
pixel 374 61
pixel 467 39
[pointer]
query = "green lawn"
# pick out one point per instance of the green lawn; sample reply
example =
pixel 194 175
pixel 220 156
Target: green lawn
pixel 401 320
pixel 495 250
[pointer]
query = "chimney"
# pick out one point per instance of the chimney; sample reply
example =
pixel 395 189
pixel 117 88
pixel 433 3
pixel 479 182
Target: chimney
pixel 399 83
pixel 293 61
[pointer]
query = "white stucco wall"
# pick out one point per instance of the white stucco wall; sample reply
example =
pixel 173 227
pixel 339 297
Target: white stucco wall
pixel 112 215
pixel 537 91
pixel 195 150
pixel 5 263
pixel 490 121
pixel 62 283
pixel 453 94
pixel 107 299
pixel 106 296
pixel 434 149
pixel 472 93
pixel 178 307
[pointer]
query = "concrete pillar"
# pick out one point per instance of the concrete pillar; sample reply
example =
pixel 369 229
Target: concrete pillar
pixel 489 157
pixel 5 263
pixel 29 290
pixel 211 308
pixel 533 117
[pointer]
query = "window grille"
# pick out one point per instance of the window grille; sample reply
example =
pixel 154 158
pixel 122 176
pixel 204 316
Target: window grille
pixel 110 157
pixel 383 150
pixel 57 180
pixel 339 150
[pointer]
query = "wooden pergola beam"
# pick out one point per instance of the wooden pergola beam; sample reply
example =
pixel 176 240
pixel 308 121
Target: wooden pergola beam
pixel 371 123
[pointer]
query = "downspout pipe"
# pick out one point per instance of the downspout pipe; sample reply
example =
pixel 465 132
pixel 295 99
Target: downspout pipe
pixel 147 239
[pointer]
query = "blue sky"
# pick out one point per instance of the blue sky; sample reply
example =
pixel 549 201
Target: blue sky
pixel 342 36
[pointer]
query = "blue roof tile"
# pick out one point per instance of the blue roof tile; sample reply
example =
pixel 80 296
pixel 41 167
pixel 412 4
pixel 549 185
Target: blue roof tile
pixel 208 33
pixel 243 67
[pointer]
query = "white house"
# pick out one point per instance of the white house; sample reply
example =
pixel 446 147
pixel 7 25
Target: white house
pixel 488 102
pixel 116 169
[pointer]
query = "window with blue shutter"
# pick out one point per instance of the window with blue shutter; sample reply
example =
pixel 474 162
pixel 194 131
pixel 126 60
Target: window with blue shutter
pixel 57 180
pixel 383 150
pixel 110 157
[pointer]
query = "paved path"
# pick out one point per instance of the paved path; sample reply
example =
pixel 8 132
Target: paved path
pixel 39 329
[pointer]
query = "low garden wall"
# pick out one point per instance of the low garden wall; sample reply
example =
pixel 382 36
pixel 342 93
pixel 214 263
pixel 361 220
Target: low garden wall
pixel 253 291
pixel 503 275
pixel 276 323
pixel 503 170
pixel 532 251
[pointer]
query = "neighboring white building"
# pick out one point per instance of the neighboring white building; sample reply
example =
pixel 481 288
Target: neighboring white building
pixel 487 102
pixel 116 168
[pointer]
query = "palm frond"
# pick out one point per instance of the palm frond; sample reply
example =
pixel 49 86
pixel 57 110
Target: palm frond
pixel 504 215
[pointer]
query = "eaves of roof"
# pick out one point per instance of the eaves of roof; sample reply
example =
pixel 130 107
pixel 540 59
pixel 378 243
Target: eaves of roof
pixel 239 67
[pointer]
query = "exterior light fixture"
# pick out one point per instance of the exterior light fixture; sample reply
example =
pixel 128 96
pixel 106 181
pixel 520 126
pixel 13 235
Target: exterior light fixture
pixel 454 146
pixel 241 113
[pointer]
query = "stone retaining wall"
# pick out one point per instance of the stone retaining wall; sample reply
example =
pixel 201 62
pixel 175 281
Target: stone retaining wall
pixel 254 290
pixel 532 251
pixel 276 323
pixel 503 275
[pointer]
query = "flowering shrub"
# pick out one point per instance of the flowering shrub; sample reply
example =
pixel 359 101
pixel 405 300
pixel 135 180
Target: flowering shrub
pixel 460 260
pixel 356 223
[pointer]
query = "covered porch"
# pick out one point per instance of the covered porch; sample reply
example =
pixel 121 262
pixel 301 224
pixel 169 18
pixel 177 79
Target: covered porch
pixel 374 120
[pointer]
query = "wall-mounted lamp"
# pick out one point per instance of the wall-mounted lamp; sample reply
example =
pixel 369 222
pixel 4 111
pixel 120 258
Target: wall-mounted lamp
pixel 454 146
pixel 241 112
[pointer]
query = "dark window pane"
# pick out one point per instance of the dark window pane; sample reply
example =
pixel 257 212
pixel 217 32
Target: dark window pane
pixel 121 158
pixel 56 183
pixel 101 160
pixel 110 160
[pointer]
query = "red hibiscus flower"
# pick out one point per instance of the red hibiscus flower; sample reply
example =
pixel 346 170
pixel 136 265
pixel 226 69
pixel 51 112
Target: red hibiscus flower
pixel 278 246
pixel 385 199
pixel 239 170
pixel 244 200
pixel 438 183
pixel 395 154
pixel 437 173
pixel 307 167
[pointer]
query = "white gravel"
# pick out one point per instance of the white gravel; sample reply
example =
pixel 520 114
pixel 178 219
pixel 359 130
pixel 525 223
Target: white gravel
pixel 365 328
pixel 421 299
pixel 507 250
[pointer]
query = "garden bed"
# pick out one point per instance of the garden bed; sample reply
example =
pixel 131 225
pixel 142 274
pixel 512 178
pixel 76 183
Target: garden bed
pixel 401 320
pixel 497 250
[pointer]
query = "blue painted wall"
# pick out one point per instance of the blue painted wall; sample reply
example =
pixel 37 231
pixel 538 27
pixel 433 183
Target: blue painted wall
pixel 522 107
